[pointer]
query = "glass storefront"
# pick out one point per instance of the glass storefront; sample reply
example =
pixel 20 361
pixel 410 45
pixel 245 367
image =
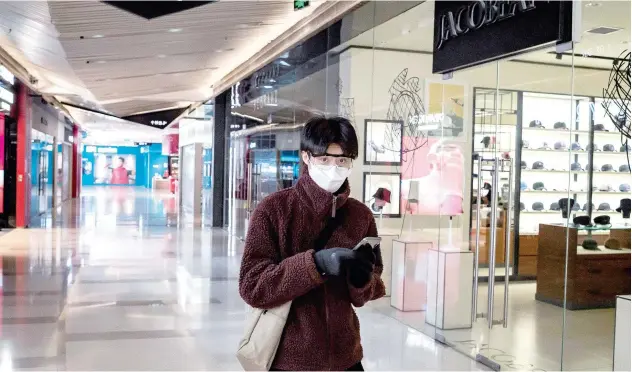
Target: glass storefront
pixel 42 169
pixel 496 189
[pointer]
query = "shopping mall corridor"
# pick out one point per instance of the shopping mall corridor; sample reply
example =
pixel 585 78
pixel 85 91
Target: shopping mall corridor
pixel 106 284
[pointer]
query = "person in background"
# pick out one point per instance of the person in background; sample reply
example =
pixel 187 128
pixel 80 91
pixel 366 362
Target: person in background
pixel 120 175
pixel 280 264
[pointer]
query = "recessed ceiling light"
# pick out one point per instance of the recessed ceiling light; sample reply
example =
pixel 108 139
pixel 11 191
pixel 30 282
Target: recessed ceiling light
pixel 175 30
pixel 97 36
pixel 219 50
pixel 101 62
pixel 161 56
pixel 593 5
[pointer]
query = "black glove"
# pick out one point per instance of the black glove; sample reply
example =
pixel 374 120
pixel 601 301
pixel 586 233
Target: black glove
pixel 333 261
pixel 361 268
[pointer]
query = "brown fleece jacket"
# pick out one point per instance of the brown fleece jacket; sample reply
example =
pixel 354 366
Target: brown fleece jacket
pixel 322 331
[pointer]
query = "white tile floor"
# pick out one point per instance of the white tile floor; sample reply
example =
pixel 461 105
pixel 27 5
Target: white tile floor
pixel 106 285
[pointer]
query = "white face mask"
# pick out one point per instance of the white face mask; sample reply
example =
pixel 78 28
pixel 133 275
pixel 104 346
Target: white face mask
pixel 328 178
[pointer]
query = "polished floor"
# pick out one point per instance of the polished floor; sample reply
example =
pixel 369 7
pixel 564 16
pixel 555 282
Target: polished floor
pixel 109 282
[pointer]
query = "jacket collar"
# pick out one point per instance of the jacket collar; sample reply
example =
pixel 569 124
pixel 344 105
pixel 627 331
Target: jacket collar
pixel 318 200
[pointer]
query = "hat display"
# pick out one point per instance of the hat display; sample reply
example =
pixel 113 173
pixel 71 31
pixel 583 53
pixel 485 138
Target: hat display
pixel 576 167
pixel 575 207
pixel 600 128
pixel 624 207
pixel 560 145
pixel 604 207
pixel 537 206
pixel 522 207
pixel 523 164
pixel 582 220
pixel 560 125
pixel 538 165
pixel 575 146
pixel 593 147
pixel 486 141
pixel 606 187
pixel 586 206
pixel 539 186
pixel 602 220
pixel 564 204
pixel 536 124
pixel 624 148
pixel 624 187
pixel 607 168
pixel 545 146
pixel 608 148
pixel 624 168
pixel 590 244
pixel 554 207
pixel 588 168
pixel 612 243
pixel 525 144
pixel 523 185
pixel 383 194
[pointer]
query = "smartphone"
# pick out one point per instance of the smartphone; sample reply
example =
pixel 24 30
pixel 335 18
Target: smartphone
pixel 372 241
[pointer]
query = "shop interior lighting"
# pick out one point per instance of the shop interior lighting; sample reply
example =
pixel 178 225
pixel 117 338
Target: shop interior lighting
pixel 593 5
pixel 98 36
pixel 174 30
pixel 283 63
pixel 268 86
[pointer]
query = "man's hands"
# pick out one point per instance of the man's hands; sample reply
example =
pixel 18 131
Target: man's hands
pixel 357 264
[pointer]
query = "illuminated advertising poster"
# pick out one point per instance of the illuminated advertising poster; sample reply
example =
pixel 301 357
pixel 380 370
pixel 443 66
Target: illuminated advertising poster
pixel 114 169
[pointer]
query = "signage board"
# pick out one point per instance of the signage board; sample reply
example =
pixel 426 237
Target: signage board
pixel 469 33
pixel 156 119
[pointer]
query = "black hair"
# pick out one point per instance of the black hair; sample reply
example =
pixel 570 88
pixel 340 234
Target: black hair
pixel 320 132
pixel 122 159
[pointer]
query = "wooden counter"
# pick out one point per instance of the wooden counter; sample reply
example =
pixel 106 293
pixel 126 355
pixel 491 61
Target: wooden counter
pixel 595 278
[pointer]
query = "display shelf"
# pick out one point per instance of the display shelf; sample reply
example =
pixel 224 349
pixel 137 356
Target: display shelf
pixel 581 152
pixel 574 192
pixel 602 251
pixel 548 130
pixel 578 172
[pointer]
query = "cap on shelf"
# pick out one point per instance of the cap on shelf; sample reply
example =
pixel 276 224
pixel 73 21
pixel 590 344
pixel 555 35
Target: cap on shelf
pixel 587 205
pixel 600 128
pixel 590 244
pixel 554 206
pixel 582 220
pixel 539 186
pixel 575 146
pixel 607 168
pixel 624 148
pixel 560 125
pixel 604 207
pixel 536 124
pixel 538 165
pixel 624 187
pixel 613 243
pixel 522 207
pixel 525 144
pixel 576 167
pixel 523 164
pixel 593 147
pixel 624 168
pixel 545 146
pixel 575 207
pixel 486 141
pixel 602 220
pixel 608 148
pixel 606 187
pixel 537 206
pixel 560 145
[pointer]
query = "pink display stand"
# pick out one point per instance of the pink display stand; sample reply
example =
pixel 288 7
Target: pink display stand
pixel 409 279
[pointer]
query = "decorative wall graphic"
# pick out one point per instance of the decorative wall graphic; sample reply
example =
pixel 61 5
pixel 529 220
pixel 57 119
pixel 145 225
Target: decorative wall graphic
pixel 377 150
pixel 445 106
pixel 374 187
pixel 346 105
pixel 617 97
pixel 617 94
pixel 406 106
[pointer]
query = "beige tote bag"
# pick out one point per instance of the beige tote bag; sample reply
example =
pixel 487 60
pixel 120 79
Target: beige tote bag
pixel 264 329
